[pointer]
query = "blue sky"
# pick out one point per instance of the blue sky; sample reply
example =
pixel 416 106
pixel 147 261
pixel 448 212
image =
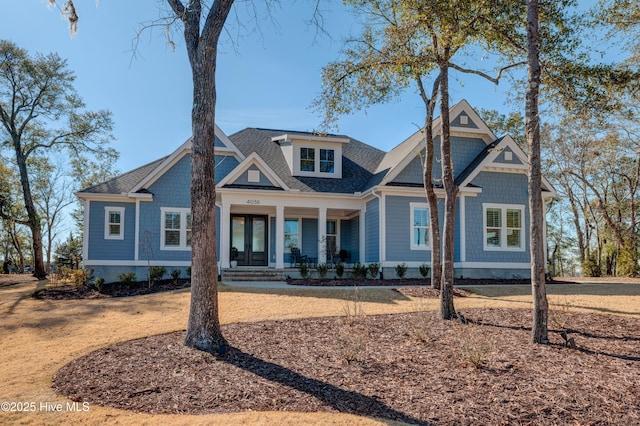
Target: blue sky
pixel 266 77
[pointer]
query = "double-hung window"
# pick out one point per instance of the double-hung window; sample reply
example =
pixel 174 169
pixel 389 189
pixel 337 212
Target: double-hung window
pixel 291 234
pixel 326 160
pixel 503 227
pixel 307 159
pixel 176 229
pixel 420 227
pixel 114 223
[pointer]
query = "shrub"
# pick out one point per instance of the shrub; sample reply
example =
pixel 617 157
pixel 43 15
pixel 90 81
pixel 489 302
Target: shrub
pixel 339 269
pixel 374 269
pixel 188 271
pixel 304 270
pixel 127 277
pixel 424 270
pixel 322 270
pixel 590 267
pixel 98 282
pixel 401 270
pixel 175 274
pixel 157 272
pixel 359 271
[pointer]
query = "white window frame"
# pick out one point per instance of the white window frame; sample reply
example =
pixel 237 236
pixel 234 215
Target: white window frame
pixel 107 223
pixel 413 207
pixel 316 148
pixel 503 226
pixel 183 228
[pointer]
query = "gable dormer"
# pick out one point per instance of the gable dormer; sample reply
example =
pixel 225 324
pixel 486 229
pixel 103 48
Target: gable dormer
pixel 312 155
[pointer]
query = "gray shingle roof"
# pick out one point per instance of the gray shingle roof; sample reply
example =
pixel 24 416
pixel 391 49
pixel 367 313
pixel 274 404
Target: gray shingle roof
pixel 358 164
pixel 124 182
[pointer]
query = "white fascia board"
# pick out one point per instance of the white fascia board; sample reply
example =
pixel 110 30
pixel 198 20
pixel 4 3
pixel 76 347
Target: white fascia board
pixel 483 131
pixel 119 198
pixel 230 146
pixel 239 196
pixel 252 159
pixel 164 166
pixel 310 138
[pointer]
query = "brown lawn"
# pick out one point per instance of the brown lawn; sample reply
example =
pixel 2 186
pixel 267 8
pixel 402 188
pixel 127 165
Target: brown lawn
pixel 39 337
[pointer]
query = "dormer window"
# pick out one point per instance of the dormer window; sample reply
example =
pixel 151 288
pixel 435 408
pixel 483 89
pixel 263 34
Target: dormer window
pixel 326 160
pixel 307 159
pixel 313 155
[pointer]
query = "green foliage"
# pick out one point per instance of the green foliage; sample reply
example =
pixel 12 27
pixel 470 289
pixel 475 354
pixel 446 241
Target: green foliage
pixel 157 272
pixel 627 265
pixel 175 274
pixel 127 277
pixel 322 270
pixel 233 253
pixel 339 269
pixel 69 253
pixel 99 283
pixel 359 271
pixel 424 270
pixel 374 269
pixel 303 268
pixel 590 267
pixel 188 271
pixel 401 270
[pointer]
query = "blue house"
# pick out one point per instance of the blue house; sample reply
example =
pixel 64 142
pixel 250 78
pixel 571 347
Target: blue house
pixel 318 194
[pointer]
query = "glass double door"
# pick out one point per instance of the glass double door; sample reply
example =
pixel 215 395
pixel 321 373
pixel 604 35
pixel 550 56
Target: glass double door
pixel 249 237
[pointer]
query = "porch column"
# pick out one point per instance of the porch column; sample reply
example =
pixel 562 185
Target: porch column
pixel 322 235
pixel 361 237
pixel 225 226
pixel 279 237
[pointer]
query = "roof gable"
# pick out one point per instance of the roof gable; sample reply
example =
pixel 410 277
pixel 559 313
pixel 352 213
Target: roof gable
pixel 244 175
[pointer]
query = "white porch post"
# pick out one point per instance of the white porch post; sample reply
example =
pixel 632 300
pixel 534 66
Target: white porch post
pixel 225 226
pixel 361 237
pixel 322 235
pixel 279 237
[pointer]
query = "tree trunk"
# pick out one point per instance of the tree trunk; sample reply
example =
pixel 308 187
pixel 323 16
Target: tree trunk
pixel 432 199
pixel 536 207
pixel 447 310
pixel 32 215
pixel 203 328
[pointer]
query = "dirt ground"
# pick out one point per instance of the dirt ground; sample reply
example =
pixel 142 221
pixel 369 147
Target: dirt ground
pixel 38 338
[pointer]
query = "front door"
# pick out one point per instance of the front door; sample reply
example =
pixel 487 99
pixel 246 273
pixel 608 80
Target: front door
pixel 249 237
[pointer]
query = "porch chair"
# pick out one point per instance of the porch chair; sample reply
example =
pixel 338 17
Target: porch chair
pixel 297 258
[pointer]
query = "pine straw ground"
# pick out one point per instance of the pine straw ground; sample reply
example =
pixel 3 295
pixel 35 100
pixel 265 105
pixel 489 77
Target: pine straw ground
pixel 409 367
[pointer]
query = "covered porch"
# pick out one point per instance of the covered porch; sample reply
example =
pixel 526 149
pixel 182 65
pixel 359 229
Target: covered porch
pixel 264 230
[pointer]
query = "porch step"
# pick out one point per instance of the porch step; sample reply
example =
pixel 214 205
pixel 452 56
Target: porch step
pixel 252 274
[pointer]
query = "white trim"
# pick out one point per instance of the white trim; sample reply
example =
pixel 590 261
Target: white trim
pixel 107 223
pixel 317 147
pixel 412 207
pixel 183 228
pixel 309 138
pixel 291 218
pixel 503 226
pixel 253 159
pixel 383 228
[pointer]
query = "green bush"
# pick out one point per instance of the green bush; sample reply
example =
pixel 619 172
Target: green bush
pixel 188 271
pixel 127 277
pixel 175 274
pixel 157 272
pixel 424 270
pixel 339 269
pixel 590 267
pixel 401 270
pixel 304 270
pixel 99 282
pixel 374 269
pixel 359 271
pixel 322 270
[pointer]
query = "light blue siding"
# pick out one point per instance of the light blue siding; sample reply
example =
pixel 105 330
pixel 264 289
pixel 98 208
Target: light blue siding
pixel 103 249
pixel 457 123
pixel 244 179
pixel 463 152
pixel 501 158
pixel 500 188
pixel 272 241
pixel 372 231
pixel 224 165
pixel 170 190
pixel 310 237
pixel 412 173
pixel 350 237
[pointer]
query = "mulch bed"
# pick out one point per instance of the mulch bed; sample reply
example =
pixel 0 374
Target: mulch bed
pixel 412 368
pixel 75 291
pixel 350 282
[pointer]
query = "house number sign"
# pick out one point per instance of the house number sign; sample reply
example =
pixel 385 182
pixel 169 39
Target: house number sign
pixel 253 202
